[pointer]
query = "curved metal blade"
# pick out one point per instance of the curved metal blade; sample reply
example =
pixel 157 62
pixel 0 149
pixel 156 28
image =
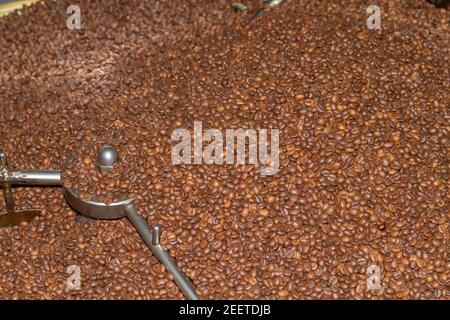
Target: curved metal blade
pixel 96 209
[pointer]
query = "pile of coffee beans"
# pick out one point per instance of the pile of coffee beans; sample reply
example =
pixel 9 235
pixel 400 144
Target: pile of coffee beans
pixel 359 206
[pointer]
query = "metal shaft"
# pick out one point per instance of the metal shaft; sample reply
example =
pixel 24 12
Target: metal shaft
pixel 4 177
pixel 180 279
pixel 35 178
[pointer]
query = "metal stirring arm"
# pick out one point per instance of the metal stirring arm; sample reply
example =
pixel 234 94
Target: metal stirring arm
pixel 28 177
pixel 9 178
pixel 35 178
pixel 152 241
pixel 90 208
pixel 100 210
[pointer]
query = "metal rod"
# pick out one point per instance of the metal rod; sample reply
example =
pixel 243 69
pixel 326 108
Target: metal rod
pixel 180 279
pixel 35 177
pixel 4 175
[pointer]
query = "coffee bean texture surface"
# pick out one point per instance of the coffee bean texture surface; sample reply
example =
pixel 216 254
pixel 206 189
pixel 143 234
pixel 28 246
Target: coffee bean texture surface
pixel 363 120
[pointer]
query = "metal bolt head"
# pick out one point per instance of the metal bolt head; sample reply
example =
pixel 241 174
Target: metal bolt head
pixel 107 157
